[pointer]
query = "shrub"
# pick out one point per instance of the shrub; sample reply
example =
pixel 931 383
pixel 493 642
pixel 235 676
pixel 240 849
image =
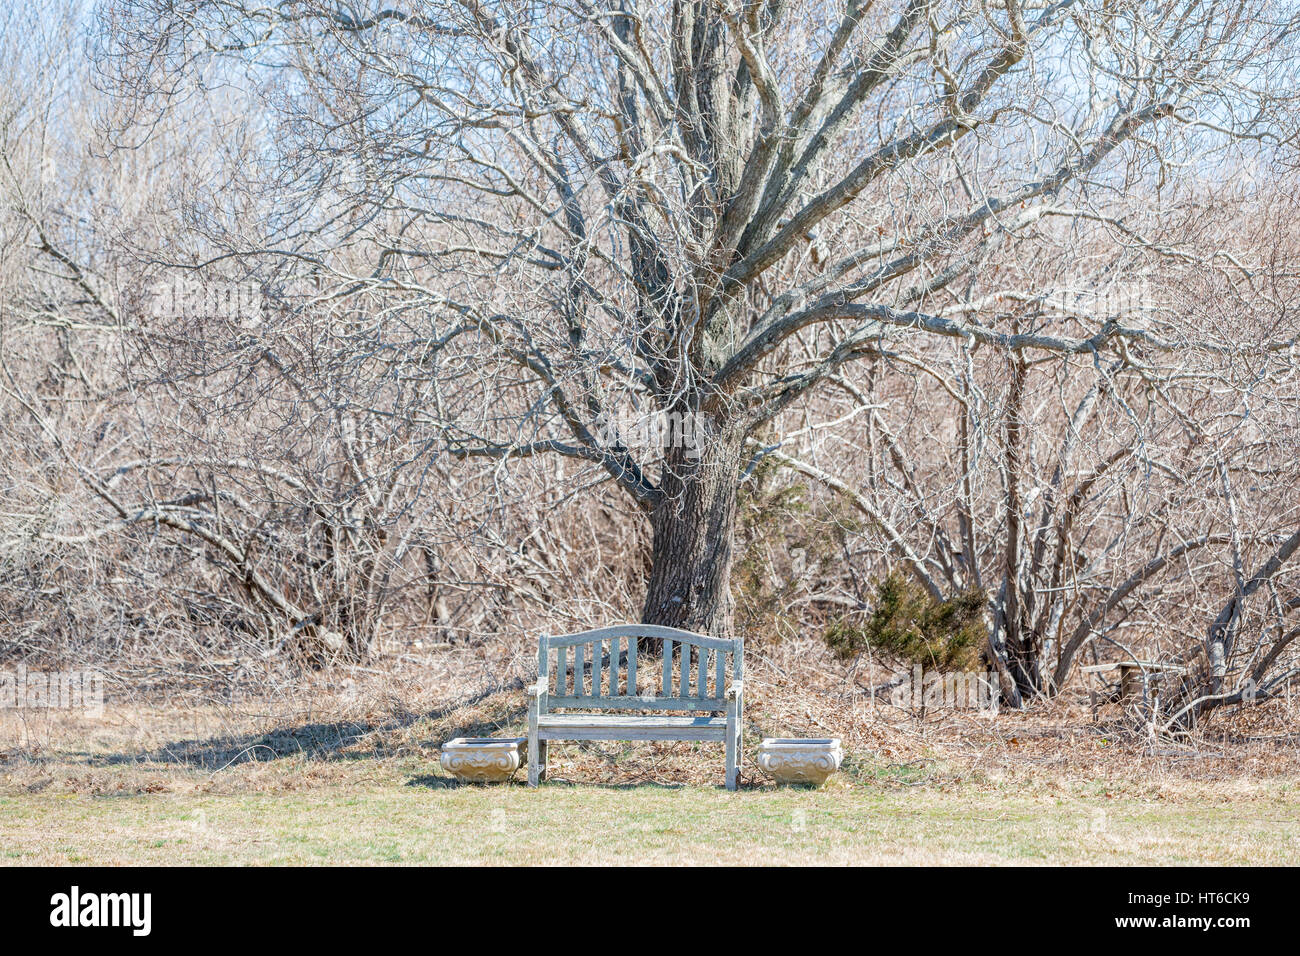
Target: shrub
pixel 906 621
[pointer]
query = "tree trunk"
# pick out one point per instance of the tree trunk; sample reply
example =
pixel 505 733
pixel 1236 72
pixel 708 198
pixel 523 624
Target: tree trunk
pixel 690 573
pixel 1020 646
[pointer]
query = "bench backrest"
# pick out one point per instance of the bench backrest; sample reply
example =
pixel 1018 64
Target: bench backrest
pixel 599 669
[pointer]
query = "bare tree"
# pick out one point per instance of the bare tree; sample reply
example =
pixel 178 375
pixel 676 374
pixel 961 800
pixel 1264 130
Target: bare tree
pixel 957 264
pixel 710 209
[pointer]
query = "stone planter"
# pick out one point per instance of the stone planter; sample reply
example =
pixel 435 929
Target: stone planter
pixel 484 759
pixel 800 760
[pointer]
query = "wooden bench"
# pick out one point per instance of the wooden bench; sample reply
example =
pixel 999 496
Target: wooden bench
pixel 597 670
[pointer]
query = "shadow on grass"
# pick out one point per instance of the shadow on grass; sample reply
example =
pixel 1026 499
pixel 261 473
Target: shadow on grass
pixel 430 782
pixel 337 740
pixel 572 783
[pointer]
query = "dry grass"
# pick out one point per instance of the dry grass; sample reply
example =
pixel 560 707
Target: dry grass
pixel 344 769
pixel 388 819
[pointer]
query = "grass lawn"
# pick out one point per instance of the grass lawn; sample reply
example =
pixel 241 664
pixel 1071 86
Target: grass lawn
pixel 276 783
pixel 421 819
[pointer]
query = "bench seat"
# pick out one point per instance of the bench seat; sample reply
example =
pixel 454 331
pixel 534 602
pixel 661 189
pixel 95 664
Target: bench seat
pixel 629 727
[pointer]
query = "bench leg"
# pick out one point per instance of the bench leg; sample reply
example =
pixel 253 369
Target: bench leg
pixel 534 761
pixel 740 734
pixel 534 748
pixel 734 724
pixel 739 750
pixel 731 759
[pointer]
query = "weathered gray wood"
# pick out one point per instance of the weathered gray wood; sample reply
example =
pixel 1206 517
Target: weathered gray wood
pixel 737 715
pixel 628 720
pixel 536 702
pixel 613 667
pixel 649 703
pixel 536 706
pixel 732 741
pixel 718 735
pixel 724 707
pixel 645 630
pixel 534 747
pixel 622 727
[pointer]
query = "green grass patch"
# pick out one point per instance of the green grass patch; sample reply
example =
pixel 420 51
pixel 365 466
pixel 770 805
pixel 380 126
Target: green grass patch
pixel 431 820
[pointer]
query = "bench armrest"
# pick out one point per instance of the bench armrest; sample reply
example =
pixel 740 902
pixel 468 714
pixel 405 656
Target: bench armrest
pixel 536 690
pixel 735 691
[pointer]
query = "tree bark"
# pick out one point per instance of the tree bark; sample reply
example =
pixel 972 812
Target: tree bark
pixel 1021 647
pixel 693 523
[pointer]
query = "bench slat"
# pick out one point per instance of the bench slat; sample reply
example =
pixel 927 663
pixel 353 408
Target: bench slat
pixel 715 734
pixel 579 667
pixel 630 702
pixel 554 721
pixel 615 666
pixel 561 674
pixel 644 630
pixel 631 665
pixel 604 727
pixel 597 667
pixel 719 675
pixel 702 672
pixel 666 688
